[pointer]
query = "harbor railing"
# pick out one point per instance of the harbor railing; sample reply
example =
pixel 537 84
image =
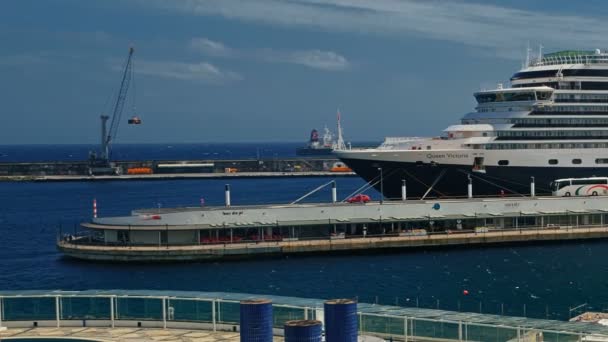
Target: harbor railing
pixel 220 311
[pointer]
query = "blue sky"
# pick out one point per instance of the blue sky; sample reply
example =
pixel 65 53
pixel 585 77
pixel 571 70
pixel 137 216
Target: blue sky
pixel 268 70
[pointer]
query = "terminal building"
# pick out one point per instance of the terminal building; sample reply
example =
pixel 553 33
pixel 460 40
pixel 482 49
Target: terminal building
pixel 240 231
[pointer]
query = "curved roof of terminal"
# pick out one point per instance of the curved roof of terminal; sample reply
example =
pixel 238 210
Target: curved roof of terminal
pixel 410 312
pixel 342 220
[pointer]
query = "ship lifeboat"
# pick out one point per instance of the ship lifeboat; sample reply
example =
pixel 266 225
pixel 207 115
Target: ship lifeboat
pixel 134 120
pixel 139 171
pixel 340 167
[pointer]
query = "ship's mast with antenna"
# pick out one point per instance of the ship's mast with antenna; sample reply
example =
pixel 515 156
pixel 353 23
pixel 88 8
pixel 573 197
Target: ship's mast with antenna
pixel 339 145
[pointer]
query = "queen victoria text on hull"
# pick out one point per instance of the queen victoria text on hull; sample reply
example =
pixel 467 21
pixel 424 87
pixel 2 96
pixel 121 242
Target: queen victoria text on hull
pixel 551 123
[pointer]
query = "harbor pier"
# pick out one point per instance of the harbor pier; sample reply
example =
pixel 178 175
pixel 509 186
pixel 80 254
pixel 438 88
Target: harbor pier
pixel 173 169
pixel 212 233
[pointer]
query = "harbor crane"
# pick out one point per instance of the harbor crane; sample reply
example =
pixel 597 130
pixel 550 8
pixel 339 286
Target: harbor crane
pixel 101 164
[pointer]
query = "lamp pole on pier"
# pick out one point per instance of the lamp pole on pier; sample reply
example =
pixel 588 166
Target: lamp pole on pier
pixel 381 186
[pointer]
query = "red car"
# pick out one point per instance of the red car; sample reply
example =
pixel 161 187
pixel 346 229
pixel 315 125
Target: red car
pixel 360 198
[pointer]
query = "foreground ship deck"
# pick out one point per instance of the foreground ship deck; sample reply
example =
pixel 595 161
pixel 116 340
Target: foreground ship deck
pixel 126 315
pixel 253 231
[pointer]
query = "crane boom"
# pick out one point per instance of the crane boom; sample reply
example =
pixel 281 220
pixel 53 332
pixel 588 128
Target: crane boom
pixel 118 106
pixel 102 163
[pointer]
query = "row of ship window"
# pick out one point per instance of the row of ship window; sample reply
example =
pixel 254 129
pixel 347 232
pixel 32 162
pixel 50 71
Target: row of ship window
pixel 555 110
pixel 565 134
pixel 513 96
pixel 581 97
pixel 559 122
pixel 541 146
pixel 575 161
pixel 567 85
pixel 564 73
pixel 509 109
pixel 534 122
pixel 572 109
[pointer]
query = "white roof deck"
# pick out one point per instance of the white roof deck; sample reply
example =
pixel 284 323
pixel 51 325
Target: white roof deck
pixel 343 213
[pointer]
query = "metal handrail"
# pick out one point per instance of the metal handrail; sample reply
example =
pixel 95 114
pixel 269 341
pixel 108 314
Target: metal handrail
pixel 216 314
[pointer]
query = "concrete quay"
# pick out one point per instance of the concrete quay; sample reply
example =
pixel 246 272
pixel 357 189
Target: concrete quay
pixel 181 168
pixel 277 248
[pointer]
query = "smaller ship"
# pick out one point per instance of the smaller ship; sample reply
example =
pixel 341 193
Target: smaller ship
pixel 317 147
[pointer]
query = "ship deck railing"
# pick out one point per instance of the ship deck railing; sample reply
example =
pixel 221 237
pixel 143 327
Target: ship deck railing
pixel 219 311
pixel 571 59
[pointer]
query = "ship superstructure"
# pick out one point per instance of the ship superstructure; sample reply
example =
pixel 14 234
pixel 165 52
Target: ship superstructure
pixel 551 123
pixel 317 146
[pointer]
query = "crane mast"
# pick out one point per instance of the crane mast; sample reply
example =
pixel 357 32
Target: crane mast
pixel 118 106
pixel 102 163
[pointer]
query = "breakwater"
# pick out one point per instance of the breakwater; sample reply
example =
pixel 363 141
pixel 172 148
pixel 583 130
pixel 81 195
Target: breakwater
pixel 170 169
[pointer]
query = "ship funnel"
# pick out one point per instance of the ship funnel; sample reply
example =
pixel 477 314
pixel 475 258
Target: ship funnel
pixel 314 136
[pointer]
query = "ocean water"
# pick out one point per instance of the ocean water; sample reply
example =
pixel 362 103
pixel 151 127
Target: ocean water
pixel 534 280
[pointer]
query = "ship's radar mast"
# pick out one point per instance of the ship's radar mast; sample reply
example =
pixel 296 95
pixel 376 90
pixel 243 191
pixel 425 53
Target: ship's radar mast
pixel 339 145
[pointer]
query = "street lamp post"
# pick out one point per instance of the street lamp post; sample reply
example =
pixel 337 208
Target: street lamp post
pixel 381 186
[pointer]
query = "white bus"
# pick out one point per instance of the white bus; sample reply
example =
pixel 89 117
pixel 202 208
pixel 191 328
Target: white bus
pixel 592 186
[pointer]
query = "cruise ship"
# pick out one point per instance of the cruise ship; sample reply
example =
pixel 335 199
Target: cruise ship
pixel 552 122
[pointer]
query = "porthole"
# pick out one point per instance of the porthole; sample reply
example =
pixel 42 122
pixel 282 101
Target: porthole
pixel 576 161
pixel 503 162
pixel 553 161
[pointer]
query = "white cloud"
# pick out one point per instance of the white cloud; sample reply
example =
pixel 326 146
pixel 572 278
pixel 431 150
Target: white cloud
pixel 201 72
pixel 478 25
pixel 210 47
pixel 316 59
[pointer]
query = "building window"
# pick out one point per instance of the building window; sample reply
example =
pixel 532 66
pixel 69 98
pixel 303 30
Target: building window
pixel 503 162
pixel 553 162
pixel 576 161
pixel 601 161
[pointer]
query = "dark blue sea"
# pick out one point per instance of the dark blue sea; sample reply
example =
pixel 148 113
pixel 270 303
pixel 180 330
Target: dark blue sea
pixel 535 280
